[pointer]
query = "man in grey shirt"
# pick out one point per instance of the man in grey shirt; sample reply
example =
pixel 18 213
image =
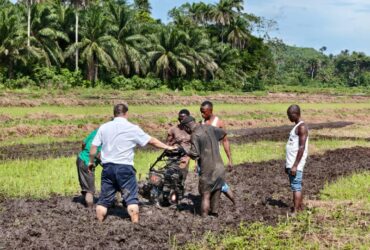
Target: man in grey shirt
pixel 205 148
pixel 118 139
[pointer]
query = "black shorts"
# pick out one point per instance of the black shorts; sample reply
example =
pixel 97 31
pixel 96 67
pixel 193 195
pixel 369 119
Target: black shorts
pixel 86 179
pixel 118 177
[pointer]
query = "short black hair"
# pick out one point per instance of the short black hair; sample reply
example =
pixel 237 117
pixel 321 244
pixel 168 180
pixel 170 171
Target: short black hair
pixel 120 109
pixel 185 112
pixel 207 103
pixel 187 120
pixel 294 109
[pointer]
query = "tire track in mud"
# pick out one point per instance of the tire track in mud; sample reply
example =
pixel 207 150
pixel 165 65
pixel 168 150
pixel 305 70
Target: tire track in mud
pixel 261 189
pixel 66 149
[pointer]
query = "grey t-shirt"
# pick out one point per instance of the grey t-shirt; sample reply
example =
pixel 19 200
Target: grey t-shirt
pixel 205 148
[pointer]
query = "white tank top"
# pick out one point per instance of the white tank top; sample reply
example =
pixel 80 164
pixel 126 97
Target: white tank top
pixel 214 122
pixel 292 147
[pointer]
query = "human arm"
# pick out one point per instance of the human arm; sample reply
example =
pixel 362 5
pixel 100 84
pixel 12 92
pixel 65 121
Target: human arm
pixel 83 145
pixel 302 135
pixel 170 136
pixel 93 151
pixel 158 144
pixel 226 145
pixel 194 151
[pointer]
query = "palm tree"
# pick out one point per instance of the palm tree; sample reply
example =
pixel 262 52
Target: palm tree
pixel 46 32
pixel 142 5
pixel 97 45
pixel 238 32
pixel 130 56
pixel 226 56
pixel 78 4
pixel 169 56
pixel 199 12
pixel 13 41
pixel 200 50
pixel 224 12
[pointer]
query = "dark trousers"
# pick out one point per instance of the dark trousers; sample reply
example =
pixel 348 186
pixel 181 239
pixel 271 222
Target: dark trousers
pixel 118 178
pixel 86 179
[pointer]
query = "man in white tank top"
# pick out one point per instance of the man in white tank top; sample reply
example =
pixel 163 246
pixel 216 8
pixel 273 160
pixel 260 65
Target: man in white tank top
pixel 296 155
pixel 206 110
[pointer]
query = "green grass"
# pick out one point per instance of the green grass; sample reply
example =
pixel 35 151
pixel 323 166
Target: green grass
pixel 145 109
pixel 338 90
pixel 42 178
pixel 356 187
pixel 334 223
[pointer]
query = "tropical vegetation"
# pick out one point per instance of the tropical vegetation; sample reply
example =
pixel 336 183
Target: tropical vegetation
pixel 118 44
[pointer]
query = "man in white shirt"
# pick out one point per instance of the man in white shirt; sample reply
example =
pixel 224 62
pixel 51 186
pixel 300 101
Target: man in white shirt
pixel 296 155
pixel 118 139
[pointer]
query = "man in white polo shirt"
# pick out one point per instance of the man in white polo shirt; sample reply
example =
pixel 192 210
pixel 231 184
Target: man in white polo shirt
pixel 118 139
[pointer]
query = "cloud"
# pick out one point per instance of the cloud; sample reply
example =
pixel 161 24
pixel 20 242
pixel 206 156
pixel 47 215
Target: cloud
pixel 336 24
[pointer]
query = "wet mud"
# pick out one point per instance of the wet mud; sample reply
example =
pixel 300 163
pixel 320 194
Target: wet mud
pixel 66 149
pixel 279 133
pixel 261 189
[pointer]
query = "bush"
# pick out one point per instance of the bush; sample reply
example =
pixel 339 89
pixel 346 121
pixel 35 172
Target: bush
pixel 253 85
pixel 121 82
pixel 146 83
pixel 20 82
pixel 195 84
pixel 49 77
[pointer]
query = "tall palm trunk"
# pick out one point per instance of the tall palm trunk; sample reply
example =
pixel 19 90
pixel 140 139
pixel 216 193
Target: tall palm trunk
pixel 91 71
pixel 76 41
pixel 29 23
pixel 10 70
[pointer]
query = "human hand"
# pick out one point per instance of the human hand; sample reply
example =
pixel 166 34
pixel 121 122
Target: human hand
pixel 171 148
pixel 90 167
pixel 293 170
pixel 230 166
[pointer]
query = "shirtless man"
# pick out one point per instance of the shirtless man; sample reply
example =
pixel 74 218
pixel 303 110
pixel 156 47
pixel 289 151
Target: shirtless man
pixel 206 109
pixel 178 136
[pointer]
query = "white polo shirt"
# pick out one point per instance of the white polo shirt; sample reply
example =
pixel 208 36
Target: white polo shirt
pixel 118 139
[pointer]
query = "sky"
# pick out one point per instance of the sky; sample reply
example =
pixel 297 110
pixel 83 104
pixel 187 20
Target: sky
pixel 336 24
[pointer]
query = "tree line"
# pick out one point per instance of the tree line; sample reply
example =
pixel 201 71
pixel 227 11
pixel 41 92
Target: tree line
pixel 118 44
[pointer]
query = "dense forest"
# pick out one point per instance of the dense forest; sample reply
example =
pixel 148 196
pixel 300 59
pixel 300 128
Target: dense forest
pixel 118 44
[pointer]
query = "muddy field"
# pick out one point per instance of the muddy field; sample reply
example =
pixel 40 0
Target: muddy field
pixel 73 99
pixel 66 149
pixel 261 189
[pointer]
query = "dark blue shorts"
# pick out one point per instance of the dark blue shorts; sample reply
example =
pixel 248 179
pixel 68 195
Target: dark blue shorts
pixel 121 178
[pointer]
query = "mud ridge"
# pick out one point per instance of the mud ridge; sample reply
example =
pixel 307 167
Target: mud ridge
pixel 261 189
pixel 67 149
pixel 279 133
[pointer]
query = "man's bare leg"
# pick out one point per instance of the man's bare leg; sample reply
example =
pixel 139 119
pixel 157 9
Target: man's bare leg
pixel 133 211
pixel 229 194
pixel 206 199
pixel 297 200
pixel 89 199
pixel 101 212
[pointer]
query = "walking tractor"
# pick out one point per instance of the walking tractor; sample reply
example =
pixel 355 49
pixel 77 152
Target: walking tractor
pixel 165 182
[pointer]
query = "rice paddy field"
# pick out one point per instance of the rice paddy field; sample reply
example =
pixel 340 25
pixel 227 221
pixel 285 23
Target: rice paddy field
pixel 41 135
